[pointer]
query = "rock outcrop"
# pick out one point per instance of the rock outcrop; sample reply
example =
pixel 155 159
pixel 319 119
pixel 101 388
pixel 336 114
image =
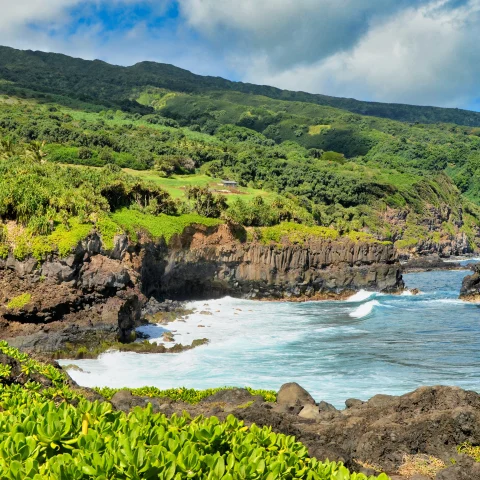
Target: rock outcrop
pixel 438 231
pixel 96 296
pixel 470 290
pixel 205 264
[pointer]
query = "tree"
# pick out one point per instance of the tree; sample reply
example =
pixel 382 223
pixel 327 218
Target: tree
pixel 205 203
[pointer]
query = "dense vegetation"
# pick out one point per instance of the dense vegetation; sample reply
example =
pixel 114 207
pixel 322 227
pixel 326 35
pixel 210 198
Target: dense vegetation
pixel 155 159
pixel 54 433
pixel 112 86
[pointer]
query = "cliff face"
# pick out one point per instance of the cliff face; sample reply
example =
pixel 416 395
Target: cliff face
pixel 94 296
pixel 205 264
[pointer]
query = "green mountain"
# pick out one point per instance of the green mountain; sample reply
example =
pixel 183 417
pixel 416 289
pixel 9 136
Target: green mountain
pixel 164 138
pixel 109 85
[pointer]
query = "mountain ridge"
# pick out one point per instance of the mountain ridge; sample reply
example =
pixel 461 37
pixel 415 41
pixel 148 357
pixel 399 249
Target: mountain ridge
pixel 68 72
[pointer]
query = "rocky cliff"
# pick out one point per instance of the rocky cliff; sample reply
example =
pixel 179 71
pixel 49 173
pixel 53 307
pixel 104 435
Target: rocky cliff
pixel 94 296
pixel 440 230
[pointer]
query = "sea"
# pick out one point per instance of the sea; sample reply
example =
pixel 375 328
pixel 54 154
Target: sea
pixel 369 344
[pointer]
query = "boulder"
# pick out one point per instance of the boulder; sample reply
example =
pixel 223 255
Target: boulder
pixel 326 407
pixel 353 402
pixel 471 286
pixel 292 394
pixel 234 396
pixel 310 412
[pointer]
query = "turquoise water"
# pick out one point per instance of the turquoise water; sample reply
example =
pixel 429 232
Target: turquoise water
pixel 337 350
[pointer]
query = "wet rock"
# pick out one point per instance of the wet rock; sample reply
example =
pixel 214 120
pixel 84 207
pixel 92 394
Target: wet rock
pixel 471 285
pixel 428 263
pixel 292 394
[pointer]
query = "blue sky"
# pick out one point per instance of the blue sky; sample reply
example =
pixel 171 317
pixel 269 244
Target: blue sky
pixel 409 51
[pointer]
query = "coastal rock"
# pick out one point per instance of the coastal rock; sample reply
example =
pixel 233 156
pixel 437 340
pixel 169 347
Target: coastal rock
pixel 202 264
pixel 97 297
pixel 292 394
pixel 310 412
pixel 465 469
pixel 428 263
pixel 234 396
pixel 470 290
pixel 430 421
pixel 434 239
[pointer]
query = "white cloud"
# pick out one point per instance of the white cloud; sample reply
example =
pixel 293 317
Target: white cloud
pixel 289 32
pixel 413 51
pixel 425 55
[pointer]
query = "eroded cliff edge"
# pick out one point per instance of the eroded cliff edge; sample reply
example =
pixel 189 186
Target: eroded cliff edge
pixel 93 295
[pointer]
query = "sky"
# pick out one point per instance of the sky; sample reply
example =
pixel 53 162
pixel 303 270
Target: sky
pixel 423 52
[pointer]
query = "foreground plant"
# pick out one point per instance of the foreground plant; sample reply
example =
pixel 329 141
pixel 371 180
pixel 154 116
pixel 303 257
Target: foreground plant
pixel 55 434
pixel 42 440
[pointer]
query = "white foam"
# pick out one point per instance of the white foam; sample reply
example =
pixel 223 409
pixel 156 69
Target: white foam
pixel 365 309
pixel 361 296
pixel 448 301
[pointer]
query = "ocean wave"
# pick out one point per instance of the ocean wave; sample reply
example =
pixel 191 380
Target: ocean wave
pixel 361 296
pixel 448 301
pixel 365 309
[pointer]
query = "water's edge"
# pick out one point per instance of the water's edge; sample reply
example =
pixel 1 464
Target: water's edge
pixel 370 344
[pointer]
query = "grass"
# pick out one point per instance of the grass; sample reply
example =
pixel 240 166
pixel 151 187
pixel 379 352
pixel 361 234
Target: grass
pixel 317 129
pixel 295 233
pixel 421 465
pixel 175 185
pixel 161 226
pixel 19 302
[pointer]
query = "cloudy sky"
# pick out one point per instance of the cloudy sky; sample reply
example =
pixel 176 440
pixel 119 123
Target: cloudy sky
pixel 410 51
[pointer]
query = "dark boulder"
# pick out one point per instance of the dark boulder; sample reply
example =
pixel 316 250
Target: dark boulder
pixel 471 286
pixel 234 396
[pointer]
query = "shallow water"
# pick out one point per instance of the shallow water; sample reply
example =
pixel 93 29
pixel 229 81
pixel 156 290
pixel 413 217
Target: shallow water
pixel 370 344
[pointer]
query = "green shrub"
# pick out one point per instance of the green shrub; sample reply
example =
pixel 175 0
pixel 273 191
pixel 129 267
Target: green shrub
pixel 66 238
pixel 188 395
pixel 54 433
pixel 160 226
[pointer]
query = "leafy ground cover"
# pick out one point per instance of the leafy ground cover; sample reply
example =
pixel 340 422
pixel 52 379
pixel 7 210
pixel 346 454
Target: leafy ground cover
pixel 54 433
pixel 188 395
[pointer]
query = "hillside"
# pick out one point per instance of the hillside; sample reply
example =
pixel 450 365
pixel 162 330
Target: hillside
pixel 417 186
pixel 112 86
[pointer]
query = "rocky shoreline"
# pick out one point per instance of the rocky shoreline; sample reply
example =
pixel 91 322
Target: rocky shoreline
pixel 410 437
pixel 96 298
pixel 386 433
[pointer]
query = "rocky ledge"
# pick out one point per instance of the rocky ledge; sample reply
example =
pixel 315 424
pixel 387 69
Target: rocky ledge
pixel 470 290
pixel 398 435
pixel 429 263
pixel 95 296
